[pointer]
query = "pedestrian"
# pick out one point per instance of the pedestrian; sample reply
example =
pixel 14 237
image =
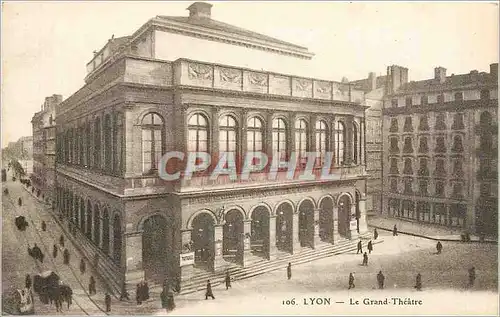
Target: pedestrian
pixel 170 301
pixel 394 231
pixel 228 281
pixel 27 283
pixel 351 281
pixel 138 293
pixel 19 201
pixel 44 226
pixel 66 256
pixel 380 280
pixel 61 240
pixel 92 288
pixel 107 300
pixel 370 247
pixel 164 297
pixel 209 293
pixel 439 247
pixel 54 251
pixel 83 266
pixel 124 293
pixel 360 247
pixel 146 291
pixel 418 282
pixel 375 234
pixel 472 276
pixel 177 288
pixel 365 259
pixel 289 270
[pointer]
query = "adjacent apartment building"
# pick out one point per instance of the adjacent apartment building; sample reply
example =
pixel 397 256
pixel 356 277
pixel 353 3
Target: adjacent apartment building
pixel 219 88
pixel 44 148
pixel 440 141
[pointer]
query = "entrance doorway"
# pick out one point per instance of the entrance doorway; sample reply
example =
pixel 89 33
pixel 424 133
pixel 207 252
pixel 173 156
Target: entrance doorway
pixel 344 216
pixel 260 232
pixel 284 227
pixel 203 241
pixel 306 224
pixel 326 220
pixel 154 248
pixel 232 242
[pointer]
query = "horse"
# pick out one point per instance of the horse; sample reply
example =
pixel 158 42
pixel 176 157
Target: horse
pixel 21 223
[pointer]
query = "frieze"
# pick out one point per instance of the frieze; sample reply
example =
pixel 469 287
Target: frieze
pixel 230 75
pixel 257 79
pixel 323 88
pixel 199 71
pixel 302 84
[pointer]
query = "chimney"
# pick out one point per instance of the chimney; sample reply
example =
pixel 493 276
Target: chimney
pixel 372 79
pixel 440 74
pixel 200 10
pixel 494 70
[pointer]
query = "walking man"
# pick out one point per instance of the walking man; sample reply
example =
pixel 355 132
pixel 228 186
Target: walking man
pixel 228 281
pixel 439 247
pixel 351 281
pixel 209 293
pixel 289 270
pixel 83 266
pixel 44 226
pixel 66 256
pixel 92 288
pixel 380 280
pixel 61 240
pixel 370 247
pixel 365 259
pixel 54 251
pixel 472 276
pixel 107 300
pixel 394 231
pixel 360 247
pixel 418 282
pixel 375 234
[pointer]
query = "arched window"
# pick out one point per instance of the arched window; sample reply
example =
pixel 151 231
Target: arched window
pixel 458 190
pixel 394 145
pixel 394 125
pixel 97 143
pixel 423 184
pixel 105 231
pixel 394 166
pixel 227 134
pixel 118 156
pixel 424 123
pixel 107 143
pixel 439 190
pixel 197 133
pixel 408 147
pixel 440 169
pixel 117 239
pixel 440 146
pixel 394 185
pixel 340 143
pixel 255 133
pixel 279 137
pixel 355 141
pixel 440 122
pixel 458 168
pixel 97 225
pixel 457 144
pixel 423 148
pixel 408 185
pixel 423 170
pixel 321 142
pixel 408 169
pixel 458 121
pixel 408 126
pixel 301 139
pixel 152 142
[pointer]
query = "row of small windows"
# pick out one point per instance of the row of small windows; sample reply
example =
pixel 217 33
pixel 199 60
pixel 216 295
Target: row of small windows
pixel 97 144
pixel 439 169
pixel 199 136
pixel 423 188
pixel 458 123
pixel 457 146
pixel 424 100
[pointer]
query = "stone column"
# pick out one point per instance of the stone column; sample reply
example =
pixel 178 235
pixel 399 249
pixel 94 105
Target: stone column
pixel 316 238
pixel 187 271
pixel 214 133
pixel 246 249
pixel 218 260
pixel 336 235
pixel 272 250
pixel 352 227
pixel 134 271
pixel 295 234
pixel 363 226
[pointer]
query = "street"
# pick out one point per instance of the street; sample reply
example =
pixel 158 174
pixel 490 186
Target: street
pixel 400 258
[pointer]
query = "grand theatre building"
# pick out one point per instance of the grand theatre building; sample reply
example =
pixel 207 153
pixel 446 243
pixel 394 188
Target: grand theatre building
pixel 195 84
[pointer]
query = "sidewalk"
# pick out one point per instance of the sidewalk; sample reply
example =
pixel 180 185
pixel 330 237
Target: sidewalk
pixel 422 230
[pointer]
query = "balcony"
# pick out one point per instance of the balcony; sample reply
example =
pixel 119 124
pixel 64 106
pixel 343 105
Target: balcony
pixel 261 179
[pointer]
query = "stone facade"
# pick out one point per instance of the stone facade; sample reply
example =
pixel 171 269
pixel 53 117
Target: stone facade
pixel 440 149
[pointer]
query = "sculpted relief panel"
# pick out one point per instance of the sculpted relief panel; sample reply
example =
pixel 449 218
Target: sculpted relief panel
pixel 228 78
pixel 200 74
pixel 279 85
pixel 255 82
pixel 302 87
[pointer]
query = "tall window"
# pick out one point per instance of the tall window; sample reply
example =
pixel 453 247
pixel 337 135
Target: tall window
pixel 458 121
pixel 423 148
pixel 88 145
pixel 394 125
pixel 197 133
pixel 321 142
pixel 408 126
pixel 440 189
pixel 424 123
pixel 355 142
pixel 279 137
pixel 440 170
pixel 97 143
pixel 340 143
pixel 457 144
pixel 152 142
pixel 458 170
pixel 394 166
pixel 118 157
pixel 394 185
pixel 254 134
pixel 409 101
pixel 408 146
pixel 394 145
pixel 423 170
pixel 227 134
pixel 107 142
pixel 301 139
pixel 408 169
pixel 440 122
pixel 440 146
pixel 423 184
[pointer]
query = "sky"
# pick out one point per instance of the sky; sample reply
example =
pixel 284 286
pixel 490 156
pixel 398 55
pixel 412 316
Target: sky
pixel 46 45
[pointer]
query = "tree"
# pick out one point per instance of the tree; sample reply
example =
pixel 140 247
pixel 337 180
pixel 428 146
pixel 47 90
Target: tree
pixel 17 168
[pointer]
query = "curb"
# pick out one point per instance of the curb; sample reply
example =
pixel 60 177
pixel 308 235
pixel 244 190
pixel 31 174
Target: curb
pixel 432 238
